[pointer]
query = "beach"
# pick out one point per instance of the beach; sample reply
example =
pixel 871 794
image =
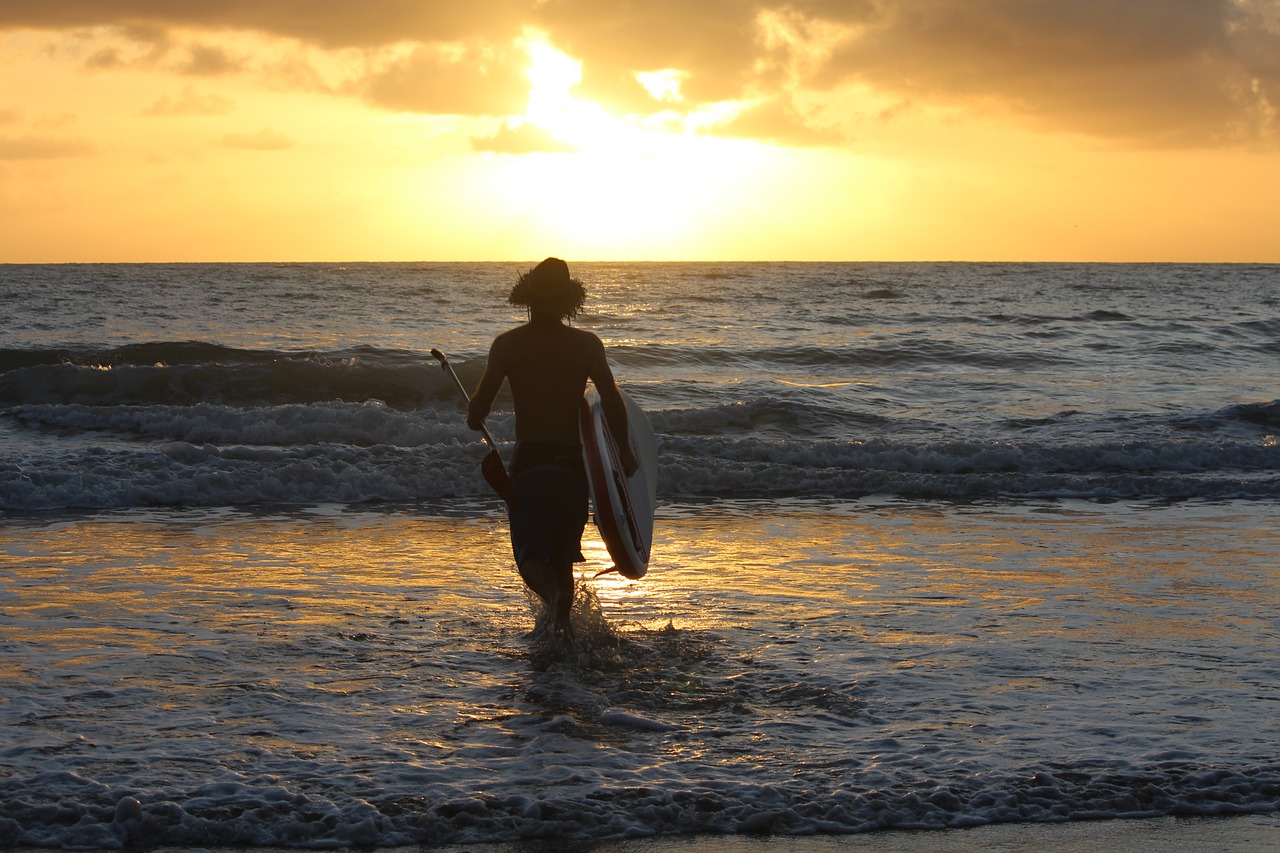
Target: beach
pixel 1187 835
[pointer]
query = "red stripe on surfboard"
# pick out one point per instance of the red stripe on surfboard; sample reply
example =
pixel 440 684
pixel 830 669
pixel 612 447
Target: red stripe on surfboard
pixel 597 470
pixel 628 511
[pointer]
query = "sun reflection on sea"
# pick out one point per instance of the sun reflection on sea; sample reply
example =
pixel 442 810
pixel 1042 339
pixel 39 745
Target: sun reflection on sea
pixel 765 633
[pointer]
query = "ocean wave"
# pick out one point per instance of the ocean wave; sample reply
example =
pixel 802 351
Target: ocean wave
pixel 209 425
pixel 285 425
pixel 300 457
pixel 187 474
pixel 1261 414
pixel 900 353
pixel 1155 469
pixel 765 416
pixel 173 373
pixel 64 810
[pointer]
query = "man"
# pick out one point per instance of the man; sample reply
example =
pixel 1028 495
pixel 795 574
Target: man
pixel 547 364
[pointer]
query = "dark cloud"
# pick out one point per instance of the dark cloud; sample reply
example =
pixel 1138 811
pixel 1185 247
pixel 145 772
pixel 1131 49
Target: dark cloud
pixel 1153 70
pixel 208 61
pixel 713 40
pixel 1162 72
pixel 1150 71
pixel 106 59
pixel 131 47
pixel 329 23
pixel 479 81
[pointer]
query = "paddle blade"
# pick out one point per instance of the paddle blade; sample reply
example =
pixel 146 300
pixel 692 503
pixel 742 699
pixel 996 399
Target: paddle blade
pixel 495 474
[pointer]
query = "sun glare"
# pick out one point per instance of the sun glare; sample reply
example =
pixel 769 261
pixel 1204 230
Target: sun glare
pixel 627 183
pixel 552 106
pixel 662 85
pixel 551 75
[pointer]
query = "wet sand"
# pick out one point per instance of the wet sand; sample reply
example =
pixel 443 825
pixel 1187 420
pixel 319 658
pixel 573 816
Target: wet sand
pixel 1245 834
pixel 1165 835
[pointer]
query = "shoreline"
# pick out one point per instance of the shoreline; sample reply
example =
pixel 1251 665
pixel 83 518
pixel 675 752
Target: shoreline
pixel 1222 834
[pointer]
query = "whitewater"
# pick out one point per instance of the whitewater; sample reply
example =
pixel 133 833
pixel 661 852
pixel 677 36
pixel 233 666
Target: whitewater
pixel 939 546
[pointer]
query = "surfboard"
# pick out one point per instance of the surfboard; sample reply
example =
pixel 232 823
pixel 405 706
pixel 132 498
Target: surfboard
pixel 623 506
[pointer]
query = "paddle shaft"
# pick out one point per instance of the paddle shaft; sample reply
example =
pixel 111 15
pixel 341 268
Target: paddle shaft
pixel 457 383
pixel 495 473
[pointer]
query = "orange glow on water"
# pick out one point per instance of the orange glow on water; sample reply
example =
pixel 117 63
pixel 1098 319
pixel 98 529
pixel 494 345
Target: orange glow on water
pixel 161 583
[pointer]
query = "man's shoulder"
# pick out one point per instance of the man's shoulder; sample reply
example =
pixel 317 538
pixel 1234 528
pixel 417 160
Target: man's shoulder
pixel 528 335
pixel 508 335
pixel 585 337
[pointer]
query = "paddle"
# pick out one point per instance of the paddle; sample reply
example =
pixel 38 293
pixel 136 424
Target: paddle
pixel 495 473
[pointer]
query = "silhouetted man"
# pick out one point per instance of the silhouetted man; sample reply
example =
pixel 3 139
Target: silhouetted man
pixel 547 364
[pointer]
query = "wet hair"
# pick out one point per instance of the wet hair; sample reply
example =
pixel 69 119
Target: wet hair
pixel 548 285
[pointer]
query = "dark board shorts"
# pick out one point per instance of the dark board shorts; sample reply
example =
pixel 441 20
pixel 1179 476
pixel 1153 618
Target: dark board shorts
pixel 551 503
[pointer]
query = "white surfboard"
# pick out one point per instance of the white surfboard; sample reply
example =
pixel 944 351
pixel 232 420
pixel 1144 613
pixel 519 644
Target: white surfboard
pixel 623 506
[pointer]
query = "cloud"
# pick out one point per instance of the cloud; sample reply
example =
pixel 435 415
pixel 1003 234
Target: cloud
pixel 264 140
pixel 43 147
pixel 328 23
pixel 208 61
pixel 1155 72
pixel 189 103
pixel 130 46
pixel 1148 72
pixel 714 42
pixel 475 80
pixel 106 59
pixel 520 138
pixel 1160 71
pixel 778 120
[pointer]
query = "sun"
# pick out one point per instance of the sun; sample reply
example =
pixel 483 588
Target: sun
pixel 553 107
pixel 624 185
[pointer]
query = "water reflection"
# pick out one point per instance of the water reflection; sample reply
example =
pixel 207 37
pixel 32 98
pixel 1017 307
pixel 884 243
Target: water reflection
pixel 761 634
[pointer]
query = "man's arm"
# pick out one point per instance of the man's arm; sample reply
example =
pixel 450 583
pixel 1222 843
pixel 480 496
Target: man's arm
pixel 482 398
pixel 615 409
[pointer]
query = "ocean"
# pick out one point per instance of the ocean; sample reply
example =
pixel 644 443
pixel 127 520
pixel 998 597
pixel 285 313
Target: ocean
pixel 937 546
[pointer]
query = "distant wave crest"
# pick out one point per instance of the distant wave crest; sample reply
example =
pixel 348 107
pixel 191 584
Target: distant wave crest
pixel 168 373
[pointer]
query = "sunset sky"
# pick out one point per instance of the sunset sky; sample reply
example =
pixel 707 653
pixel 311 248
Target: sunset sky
pixel 244 130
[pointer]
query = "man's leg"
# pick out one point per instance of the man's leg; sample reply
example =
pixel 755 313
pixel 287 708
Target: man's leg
pixel 546 527
pixel 554 585
pixel 539 577
pixel 564 598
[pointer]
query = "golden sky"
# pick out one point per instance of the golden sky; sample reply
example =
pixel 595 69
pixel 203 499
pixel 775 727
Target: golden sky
pixel 243 130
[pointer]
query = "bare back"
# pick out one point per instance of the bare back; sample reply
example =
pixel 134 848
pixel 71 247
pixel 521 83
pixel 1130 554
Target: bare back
pixel 547 365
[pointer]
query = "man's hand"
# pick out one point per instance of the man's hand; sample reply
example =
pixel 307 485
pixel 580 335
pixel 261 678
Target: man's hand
pixel 476 413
